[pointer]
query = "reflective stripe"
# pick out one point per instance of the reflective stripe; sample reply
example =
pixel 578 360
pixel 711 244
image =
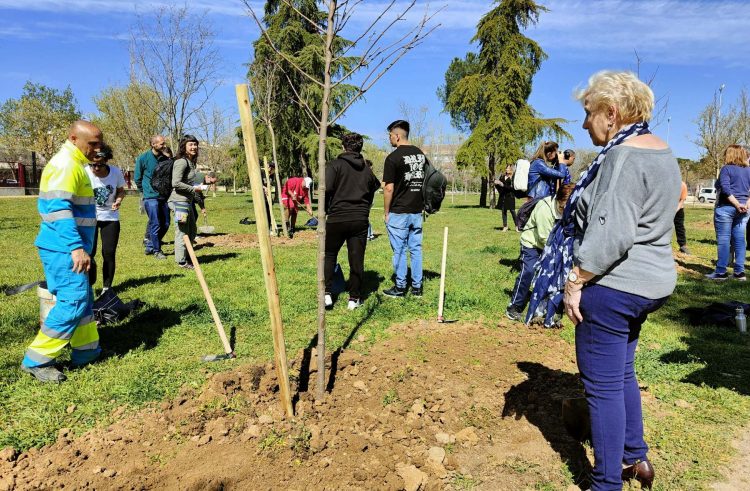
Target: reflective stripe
pixel 83 200
pixel 57 215
pixel 86 320
pixel 37 358
pixel 51 333
pixel 86 347
pixel 55 195
pixel 86 222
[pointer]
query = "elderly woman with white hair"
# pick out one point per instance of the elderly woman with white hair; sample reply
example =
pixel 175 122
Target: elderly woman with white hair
pixel 610 260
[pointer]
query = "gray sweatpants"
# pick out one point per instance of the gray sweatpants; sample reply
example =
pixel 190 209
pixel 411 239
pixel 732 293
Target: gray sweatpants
pixel 182 229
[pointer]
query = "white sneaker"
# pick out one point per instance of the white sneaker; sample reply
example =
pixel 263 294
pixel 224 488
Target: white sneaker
pixel 328 301
pixel 353 304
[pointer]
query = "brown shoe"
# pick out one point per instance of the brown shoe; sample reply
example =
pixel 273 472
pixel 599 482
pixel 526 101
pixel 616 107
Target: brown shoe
pixel 642 471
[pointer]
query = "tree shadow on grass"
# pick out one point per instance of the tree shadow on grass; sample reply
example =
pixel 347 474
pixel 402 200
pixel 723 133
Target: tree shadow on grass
pixel 209 258
pixel 697 267
pixel 426 275
pixel 144 280
pixel 722 352
pixel 468 206
pixel 143 329
pixel 539 399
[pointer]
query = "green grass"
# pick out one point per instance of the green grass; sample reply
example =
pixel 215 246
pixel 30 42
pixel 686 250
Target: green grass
pixel 699 376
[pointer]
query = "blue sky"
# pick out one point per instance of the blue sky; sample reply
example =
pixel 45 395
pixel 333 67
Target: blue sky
pixel 693 46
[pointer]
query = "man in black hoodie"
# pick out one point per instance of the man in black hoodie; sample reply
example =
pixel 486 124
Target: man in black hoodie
pixel 350 188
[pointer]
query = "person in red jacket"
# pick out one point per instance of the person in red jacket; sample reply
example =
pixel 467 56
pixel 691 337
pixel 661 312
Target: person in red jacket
pixel 296 191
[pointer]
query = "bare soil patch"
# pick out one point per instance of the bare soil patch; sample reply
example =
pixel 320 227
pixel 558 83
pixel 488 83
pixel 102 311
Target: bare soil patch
pixel 247 241
pixel 436 406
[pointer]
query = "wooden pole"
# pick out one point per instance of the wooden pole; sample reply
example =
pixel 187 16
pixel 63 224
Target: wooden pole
pixel 264 241
pixel 441 299
pixel 207 294
pixel 267 193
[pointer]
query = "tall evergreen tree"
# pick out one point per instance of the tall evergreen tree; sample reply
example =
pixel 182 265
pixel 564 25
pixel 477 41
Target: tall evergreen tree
pixel 487 93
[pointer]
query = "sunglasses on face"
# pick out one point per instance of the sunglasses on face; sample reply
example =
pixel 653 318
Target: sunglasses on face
pixel 98 165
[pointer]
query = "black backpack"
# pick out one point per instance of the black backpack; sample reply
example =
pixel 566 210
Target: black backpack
pixel 433 188
pixel 524 212
pixel 161 179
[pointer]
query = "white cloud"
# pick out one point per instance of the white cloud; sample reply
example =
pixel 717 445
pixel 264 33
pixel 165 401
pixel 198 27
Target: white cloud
pixel 687 32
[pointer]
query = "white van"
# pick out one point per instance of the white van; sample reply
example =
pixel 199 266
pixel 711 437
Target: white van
pixel 707 194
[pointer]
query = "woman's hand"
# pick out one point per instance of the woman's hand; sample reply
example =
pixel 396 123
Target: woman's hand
pixel 572 301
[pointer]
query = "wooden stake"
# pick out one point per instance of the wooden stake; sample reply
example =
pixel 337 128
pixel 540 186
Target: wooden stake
pixel 267 193
pixel 207 294
pixel 264 241
pixel 441 299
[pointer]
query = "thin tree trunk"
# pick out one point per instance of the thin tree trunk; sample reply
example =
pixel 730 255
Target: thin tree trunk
pixel 321 200
pixel 276 177
pixel 491 169
pixel 483 193
pixel 305 168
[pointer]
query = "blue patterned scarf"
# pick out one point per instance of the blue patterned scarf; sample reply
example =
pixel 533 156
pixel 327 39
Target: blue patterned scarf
pixel 551 271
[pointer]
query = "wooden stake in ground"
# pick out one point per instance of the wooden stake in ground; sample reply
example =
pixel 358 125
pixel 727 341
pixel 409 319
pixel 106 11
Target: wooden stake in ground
pixel 267 192
pixel 441 299
pixel 264 241
pixel 209 299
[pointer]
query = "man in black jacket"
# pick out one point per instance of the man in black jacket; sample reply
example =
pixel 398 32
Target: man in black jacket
pixel 350 188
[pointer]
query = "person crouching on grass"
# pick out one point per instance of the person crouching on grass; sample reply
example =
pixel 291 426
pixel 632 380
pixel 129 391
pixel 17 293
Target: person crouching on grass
pixel 533 239
pixel 296 191
pixel 350 188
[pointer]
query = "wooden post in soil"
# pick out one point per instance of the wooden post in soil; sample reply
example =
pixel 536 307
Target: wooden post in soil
pixel 267 193
pixel 264 241
pixel 441 298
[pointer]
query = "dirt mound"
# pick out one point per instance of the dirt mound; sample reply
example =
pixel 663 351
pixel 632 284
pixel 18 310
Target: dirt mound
pixel 435 407
pixel 246 241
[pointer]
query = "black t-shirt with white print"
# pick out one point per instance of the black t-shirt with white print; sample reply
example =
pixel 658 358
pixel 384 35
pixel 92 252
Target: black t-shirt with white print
pixel 404 167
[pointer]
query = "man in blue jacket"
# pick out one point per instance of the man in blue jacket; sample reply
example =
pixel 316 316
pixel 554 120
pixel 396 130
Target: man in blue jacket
pixel 155 204
pixel 68 211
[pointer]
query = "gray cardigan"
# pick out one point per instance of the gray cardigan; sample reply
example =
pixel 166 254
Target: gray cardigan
pixel 624 222
pixel 183 179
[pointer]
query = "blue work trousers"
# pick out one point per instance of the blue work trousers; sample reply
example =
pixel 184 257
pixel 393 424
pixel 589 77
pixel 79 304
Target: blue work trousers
pixel 405 234
pixel 70 321
pixel 158 223
pixel 605 349
pixel 522 288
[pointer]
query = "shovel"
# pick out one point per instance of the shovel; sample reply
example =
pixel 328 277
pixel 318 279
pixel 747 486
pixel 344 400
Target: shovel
pixel 228 352
pixel 206 229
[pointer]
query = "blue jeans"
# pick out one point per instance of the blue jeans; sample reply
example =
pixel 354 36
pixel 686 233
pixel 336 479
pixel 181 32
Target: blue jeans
pixel 158 223
pixel 405 232
pixel 605 350
pixel 521 293
pixel 730 227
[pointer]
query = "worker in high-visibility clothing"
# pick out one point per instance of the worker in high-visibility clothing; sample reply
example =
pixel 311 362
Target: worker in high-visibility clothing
pixel 68 210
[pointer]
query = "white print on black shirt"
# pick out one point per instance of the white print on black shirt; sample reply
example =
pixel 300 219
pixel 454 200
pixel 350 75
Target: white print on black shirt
pixel 416 167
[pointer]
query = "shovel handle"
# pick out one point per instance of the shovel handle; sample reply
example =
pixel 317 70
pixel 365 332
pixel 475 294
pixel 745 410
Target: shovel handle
pixel 207 294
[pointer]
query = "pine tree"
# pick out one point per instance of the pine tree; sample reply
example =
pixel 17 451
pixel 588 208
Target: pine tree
pixel 487 93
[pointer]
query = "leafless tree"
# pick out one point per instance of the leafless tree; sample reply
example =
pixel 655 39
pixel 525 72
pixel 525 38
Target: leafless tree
pixel 173 53
pixel 263 85
pixel 214 130
pixel 374 51
pixel 717 129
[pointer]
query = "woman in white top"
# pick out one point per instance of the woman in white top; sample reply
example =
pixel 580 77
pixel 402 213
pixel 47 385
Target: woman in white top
pixel 108 184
